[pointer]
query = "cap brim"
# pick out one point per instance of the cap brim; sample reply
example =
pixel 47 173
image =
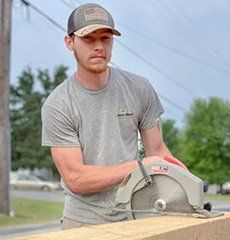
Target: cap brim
pixel 91 28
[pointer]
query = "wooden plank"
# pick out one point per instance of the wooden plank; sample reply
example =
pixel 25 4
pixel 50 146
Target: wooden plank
pixel 157 228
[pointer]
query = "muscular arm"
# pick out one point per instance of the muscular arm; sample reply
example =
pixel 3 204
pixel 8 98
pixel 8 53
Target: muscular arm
pixel 82 179
pixel 153 142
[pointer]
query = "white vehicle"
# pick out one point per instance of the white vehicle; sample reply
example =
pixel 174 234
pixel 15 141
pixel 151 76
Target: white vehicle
pixel 33 182
pixel 226 188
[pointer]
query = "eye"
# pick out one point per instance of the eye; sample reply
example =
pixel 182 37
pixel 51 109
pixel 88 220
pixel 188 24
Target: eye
pixel 105 38
pixel 87 38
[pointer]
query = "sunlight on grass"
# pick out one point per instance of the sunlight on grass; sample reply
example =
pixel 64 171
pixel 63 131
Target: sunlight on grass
pixel 32 211
pixel 217 197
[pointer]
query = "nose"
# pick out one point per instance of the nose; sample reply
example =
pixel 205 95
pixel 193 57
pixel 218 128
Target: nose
pixel 98 46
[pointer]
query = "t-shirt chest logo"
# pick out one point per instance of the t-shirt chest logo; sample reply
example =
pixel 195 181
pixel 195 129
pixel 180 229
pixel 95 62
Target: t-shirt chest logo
pixel 124 112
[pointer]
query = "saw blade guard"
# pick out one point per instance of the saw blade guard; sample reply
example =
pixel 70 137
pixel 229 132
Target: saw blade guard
pixel 188 190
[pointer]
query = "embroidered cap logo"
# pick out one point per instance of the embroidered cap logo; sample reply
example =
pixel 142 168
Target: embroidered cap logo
pixel 95 14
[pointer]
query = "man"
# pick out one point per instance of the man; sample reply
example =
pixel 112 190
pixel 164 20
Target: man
pixel 91 121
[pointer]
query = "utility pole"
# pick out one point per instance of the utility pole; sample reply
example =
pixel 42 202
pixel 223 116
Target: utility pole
pixel 5 152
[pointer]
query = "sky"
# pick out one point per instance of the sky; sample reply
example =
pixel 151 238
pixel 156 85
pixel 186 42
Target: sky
pixel 181 46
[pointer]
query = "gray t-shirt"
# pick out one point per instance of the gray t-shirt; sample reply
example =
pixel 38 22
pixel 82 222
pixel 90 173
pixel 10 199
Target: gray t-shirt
pixel 104 123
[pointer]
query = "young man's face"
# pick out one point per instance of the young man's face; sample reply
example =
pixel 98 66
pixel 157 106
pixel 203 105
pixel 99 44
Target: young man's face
pixel 93 51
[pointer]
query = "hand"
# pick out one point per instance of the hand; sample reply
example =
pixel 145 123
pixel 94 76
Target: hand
pixel 152 159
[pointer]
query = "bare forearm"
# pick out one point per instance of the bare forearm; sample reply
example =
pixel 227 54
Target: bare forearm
pixel 160 151
pixel 82 179
pixel 96 178
pixel 153 142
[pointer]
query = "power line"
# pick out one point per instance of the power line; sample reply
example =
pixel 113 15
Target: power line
pixel 163 97
pixel 156 68
pixel 166 46
pixel 162 44
pixel 180 25
pixel 122 44
pixel 172 103
pixel 67 3
pixel 78 2
pixel 27 3
pixel 206 43
pixel 214 49
pixel 177 51
pixel 172 21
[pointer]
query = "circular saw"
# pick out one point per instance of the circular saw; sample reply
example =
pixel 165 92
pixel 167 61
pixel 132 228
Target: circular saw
pixel 163 188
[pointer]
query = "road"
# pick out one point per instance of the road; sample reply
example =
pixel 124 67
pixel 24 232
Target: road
pixel 56 196
pixel 59 197
pixel 221 205
pixel 15 231
pixel 28 229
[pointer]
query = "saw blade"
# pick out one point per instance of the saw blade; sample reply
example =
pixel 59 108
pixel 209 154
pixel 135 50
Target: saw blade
pixel 163 189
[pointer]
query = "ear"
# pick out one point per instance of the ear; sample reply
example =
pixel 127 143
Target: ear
pixel 69 42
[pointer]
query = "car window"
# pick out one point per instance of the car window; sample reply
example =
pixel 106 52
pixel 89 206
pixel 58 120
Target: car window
pixel 21 177
pixel 28 178
pixel 32 178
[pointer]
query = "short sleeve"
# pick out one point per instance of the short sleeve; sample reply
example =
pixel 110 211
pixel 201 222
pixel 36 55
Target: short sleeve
pixel 58 129
pixel 151 108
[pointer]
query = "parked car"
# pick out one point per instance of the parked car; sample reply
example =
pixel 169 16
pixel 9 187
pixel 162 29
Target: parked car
pixel 33 182
pixel 226 188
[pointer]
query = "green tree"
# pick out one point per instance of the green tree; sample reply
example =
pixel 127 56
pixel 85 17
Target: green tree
pixel 25 114
pixel 170 135
pixel 206 139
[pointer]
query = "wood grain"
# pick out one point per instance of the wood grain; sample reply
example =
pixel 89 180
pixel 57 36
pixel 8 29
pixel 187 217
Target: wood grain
pixel 157 228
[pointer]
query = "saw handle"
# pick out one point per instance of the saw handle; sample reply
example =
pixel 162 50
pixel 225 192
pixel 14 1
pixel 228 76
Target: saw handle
pixel 175 161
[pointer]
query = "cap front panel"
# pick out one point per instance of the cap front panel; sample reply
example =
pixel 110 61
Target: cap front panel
pixel 96 14
pixel 87 17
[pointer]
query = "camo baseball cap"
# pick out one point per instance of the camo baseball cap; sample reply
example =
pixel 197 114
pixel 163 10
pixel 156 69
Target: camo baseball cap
pixel 90 17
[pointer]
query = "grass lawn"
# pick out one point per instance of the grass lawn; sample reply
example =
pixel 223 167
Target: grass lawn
pixel 31 211
pixel 36 211
pixel 218 197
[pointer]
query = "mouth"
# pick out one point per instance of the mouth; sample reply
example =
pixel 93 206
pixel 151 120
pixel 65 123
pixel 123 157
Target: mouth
pixel 99 57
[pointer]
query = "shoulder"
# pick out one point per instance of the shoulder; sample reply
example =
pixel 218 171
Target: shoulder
pixel 58 98
pixel 132 79
pixel 59 92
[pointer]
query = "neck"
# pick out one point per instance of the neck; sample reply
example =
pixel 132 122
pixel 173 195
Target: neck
pixel 92 80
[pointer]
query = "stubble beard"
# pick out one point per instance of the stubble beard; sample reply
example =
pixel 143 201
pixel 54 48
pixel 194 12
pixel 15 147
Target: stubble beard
pixel 93 68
